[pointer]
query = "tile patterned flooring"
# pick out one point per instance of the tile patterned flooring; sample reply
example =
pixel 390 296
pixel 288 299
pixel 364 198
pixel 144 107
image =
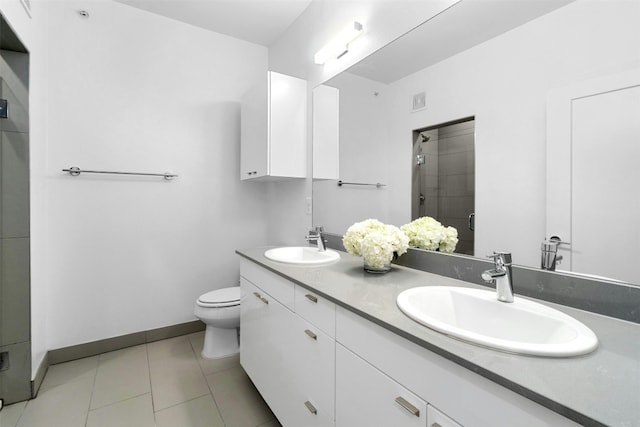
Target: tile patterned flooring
pixel 161 384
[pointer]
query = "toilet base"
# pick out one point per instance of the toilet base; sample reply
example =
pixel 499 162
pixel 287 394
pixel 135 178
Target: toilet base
pixel 219 343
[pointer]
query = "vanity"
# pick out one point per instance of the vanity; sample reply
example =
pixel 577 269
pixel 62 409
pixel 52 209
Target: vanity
pixel 328 346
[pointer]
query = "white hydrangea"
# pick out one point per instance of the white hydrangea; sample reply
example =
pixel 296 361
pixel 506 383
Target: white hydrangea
pixel 428 233
pixel 450 240
pixel 375 241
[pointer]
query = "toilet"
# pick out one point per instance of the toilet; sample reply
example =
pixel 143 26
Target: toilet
pixel 220 311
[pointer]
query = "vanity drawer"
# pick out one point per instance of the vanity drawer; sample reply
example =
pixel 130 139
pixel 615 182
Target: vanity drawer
pixel 278 287
pixel 314 375
pixel 316 310
pixel 366 397
pixel 436 418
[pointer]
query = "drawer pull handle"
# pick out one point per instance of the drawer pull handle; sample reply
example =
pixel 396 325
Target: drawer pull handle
pixel 310 407
pixel 408 406
pixel 261 298
pixel 311 334
pixel 435 425
pixel 312 298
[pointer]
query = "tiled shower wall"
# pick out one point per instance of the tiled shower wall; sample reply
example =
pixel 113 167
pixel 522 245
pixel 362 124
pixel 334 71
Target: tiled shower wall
pixel 15 349
pixel 456 176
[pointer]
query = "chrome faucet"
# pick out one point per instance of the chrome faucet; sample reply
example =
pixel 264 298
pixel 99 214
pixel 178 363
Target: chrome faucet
pixel 501 275
pixel 316 236
pixel 549 257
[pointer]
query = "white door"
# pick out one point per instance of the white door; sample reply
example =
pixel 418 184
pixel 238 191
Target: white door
pixel 593 176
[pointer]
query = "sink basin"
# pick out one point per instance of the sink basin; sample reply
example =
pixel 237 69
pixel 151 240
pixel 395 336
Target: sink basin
pixel 476 316
pixel 302 255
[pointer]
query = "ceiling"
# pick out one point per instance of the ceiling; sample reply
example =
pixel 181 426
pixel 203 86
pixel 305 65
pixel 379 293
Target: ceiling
pixel 256 21
pixel 460 27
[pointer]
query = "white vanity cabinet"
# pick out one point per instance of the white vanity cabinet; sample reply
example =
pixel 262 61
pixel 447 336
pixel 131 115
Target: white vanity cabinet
pixel 438 419
pixel 288 356
pixel 319 364
pixel 462 398
pixel 367 397
pixel 264 347
pixel 274 129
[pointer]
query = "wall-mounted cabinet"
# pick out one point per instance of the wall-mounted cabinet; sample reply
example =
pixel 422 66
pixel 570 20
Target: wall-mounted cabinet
pixel 274 129
pixel 326 132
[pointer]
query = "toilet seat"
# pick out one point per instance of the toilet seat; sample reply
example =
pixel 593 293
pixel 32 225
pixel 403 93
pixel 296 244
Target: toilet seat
pixel 225 297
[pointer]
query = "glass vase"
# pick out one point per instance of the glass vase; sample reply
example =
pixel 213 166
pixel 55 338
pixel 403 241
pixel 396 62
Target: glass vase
pixel 377 270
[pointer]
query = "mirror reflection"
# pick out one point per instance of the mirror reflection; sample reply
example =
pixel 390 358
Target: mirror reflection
pixel 443 178
pixel 496 63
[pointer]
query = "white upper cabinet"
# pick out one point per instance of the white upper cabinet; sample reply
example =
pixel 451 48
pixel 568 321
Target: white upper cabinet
pixel 274 129
pixel 326 139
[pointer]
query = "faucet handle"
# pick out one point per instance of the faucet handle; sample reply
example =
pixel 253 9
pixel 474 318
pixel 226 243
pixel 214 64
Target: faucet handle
pixel 503 258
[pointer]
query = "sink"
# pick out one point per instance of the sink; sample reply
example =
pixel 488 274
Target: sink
pixel 302 255
pixel 476 316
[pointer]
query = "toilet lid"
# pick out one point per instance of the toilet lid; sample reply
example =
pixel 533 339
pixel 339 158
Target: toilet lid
pixel 226 297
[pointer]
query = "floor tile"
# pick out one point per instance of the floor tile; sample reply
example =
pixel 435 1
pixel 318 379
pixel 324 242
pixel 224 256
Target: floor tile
pixel 123 388
pixel 11 413
pixel 65 405
pixel 121 375
pixel 176 376
pixel 169 348
pixel 200 412
pixel 75 370
pixel 175 389
pixel 210 366
pixel 239 402
pixel 135 412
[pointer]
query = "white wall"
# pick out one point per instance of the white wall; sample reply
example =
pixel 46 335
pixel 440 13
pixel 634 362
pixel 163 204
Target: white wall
pixel 504 83
pixel 292 54
pixel 133 91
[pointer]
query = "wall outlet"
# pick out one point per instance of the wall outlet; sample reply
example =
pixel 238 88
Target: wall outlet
pixel 419 101
pixel 309 208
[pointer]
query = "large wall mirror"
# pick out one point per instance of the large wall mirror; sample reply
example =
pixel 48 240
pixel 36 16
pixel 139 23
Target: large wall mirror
pixel 502 64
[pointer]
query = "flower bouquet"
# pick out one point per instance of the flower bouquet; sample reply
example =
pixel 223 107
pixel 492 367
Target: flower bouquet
pixel 428 233
pixel 376 242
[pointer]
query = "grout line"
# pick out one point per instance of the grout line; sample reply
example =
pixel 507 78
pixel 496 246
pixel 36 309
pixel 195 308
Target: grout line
pixel 153 403
pixel 93 388
pixel 213 397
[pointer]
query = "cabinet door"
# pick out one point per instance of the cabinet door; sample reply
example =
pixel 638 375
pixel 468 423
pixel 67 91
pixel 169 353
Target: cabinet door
pixel 316 310
pixel 265 351
pixel 366 397
pixel 314 374
pixel 287 126
pixel 254 132
pixel 326 132
pixel 436 418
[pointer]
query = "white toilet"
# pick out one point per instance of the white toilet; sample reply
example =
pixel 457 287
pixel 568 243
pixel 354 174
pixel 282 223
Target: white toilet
pixel 220 311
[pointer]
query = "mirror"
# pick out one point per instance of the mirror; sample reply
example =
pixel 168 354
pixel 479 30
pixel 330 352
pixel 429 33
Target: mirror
pixel 495 61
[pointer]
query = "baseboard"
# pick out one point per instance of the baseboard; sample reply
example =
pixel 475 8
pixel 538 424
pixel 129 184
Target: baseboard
pixel 40 373
pixel 94 348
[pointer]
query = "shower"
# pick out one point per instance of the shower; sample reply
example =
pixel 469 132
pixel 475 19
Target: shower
pixel 443 177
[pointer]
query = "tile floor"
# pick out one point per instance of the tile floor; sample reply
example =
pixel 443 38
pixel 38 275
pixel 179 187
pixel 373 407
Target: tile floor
pixel 161 384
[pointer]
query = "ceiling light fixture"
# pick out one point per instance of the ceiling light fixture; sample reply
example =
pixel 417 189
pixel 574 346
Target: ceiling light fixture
pixel 339 45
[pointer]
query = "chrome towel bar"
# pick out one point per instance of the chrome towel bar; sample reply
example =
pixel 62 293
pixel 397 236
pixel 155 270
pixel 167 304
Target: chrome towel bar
pixel 75 171
pixel 377 184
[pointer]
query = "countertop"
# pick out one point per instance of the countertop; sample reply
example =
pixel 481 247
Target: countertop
pixel 600 388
